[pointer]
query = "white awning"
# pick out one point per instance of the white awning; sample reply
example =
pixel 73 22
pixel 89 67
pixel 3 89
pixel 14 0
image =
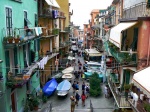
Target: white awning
pixel 92 52
pixel 141 79
pixel 115 32
pixel 52 3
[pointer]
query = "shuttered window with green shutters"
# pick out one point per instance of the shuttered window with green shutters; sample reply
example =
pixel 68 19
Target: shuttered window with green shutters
pixel 7 59
pixel 24 55
pixel 15 59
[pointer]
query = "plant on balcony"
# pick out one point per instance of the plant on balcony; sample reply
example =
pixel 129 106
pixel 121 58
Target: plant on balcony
pixel 44 99
pixel 147 107
pixel 127 86
pixel 95 90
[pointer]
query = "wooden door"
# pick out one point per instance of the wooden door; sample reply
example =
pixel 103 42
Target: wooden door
pixel 13 102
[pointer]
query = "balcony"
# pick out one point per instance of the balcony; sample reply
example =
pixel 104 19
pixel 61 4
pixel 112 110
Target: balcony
pixel 138 10
pixel 65 30
pixel 142 103
pixel 19 79
pixel 19 35
pixel 16 80
pixel 121 57
pixel 46 12
pixel 119 97
pixel 47 32
pixel 64 44
pixel 55 31
pixel 61 15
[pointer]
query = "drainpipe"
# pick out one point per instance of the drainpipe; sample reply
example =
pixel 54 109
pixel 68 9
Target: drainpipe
pixel 148 48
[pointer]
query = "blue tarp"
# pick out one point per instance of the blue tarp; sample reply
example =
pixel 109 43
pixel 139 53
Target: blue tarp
pixel 64 86
pixel 50 87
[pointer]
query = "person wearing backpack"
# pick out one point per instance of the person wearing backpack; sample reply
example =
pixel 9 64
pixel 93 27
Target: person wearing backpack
pixel 77 86
pixel 83 97
pixel 83 86
pixel 77 97
pixel 87 91
pixel 74 86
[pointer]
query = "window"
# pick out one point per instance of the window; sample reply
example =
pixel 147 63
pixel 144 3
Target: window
pixel 26 21
pixel 9 21
pixel 36 20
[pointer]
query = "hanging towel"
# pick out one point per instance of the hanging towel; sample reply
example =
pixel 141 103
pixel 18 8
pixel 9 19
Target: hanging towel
pixel 36 31
pixel 53 13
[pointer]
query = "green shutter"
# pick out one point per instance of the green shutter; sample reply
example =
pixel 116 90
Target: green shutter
pixel 7 61
pixel 29 51
pixel 15 59
pixel 127 76
pixel 38 45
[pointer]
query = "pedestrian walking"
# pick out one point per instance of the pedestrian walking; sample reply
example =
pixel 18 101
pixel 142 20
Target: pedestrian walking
pixel 83 97
pixel 83 76
pixel 77 86
pixel 73 103
pixel 87 88
pixel 83 87
pixel 74 86
pixel 106 91
pixel 77 97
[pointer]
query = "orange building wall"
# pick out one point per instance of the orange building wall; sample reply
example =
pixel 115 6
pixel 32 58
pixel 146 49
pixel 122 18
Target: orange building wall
pixel 143 41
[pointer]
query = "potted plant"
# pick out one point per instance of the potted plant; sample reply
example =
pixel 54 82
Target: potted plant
pixel 147 107
pixel 35 102
pixel 44 99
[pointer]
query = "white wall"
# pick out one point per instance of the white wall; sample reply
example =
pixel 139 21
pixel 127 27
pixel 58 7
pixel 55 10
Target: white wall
pixel 128 3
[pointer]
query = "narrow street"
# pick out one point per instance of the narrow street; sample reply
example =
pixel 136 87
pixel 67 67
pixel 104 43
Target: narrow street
pixel 62 104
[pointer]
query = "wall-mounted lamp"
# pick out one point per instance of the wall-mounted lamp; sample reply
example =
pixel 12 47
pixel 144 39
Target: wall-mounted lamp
pixel 1 61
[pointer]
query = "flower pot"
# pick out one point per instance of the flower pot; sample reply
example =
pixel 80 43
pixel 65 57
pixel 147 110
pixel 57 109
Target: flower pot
pixel 36 108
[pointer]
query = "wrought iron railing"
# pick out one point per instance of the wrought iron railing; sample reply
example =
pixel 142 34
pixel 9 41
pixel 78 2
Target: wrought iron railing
pixel 18 35
pixel 137 10
pixel 46 12
pixel 119 97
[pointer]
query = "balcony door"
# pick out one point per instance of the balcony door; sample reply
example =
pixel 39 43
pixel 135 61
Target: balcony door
pixel 13 101
pixel 9 21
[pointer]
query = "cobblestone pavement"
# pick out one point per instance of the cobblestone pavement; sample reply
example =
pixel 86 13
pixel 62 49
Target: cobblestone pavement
pixel 62 104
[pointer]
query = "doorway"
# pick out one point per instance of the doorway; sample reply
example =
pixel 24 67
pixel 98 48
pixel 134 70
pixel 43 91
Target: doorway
pixel 13 102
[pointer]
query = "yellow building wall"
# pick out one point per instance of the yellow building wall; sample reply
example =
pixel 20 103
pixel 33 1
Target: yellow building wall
pixel 64 7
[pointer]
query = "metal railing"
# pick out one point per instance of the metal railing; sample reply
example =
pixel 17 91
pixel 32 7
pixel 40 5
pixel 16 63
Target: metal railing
pixel 137 10
pixel 47 12
pixel 119 97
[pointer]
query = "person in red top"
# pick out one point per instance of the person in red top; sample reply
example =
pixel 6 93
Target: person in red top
pixel 83 97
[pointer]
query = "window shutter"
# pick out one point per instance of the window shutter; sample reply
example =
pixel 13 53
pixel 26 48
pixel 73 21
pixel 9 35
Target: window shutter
pixel 15 59
pixel 29 50
pixel 7 61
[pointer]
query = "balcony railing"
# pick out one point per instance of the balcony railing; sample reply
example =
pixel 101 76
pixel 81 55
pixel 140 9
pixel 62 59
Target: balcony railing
pixel 55 31
pixel 18 35
pixel 119 97
pixel 46 12
pixel 138 10
pixel 46 32
pixel 121 57
pixel 64 44
pixel 19 79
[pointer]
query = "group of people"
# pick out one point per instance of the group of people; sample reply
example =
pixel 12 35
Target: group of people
pixel 76 96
